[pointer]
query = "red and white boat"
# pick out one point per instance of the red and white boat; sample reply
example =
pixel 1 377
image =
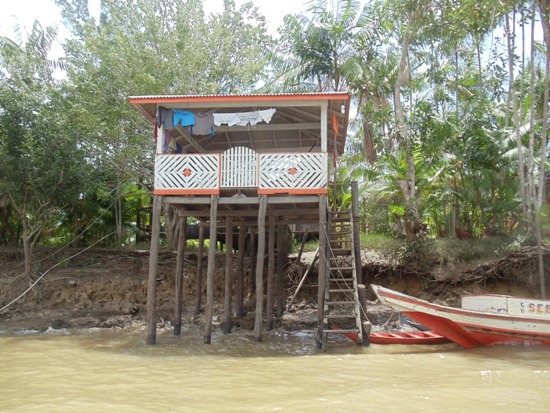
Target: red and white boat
pixel 482 319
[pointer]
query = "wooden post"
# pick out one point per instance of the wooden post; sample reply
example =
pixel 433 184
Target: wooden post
pixel 253 259
pixel 322 278
pixel 240 270
pixel 365 325
pixel 228 274
pixel 153 264
pixel 270 272
pixel 304 239
pixel 260 269
pixel 282 255
pixel 355 220
pixel 211 270
pixel 200 258
pixel 182 224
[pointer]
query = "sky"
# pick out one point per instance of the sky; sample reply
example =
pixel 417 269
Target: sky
pixel 24 12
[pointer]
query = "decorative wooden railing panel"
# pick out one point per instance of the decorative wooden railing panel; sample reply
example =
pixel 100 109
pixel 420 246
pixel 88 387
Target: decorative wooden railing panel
pixel 187 174
pixel 293 173
pixel 205 174
pixel 239 168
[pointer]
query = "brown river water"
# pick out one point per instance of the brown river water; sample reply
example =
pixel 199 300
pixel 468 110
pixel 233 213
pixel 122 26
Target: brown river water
pixel 114 371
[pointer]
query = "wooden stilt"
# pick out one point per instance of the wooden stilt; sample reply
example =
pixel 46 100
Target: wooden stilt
pixel 260 269
pixel 253 259
pixel 153 264
pixel 240 270
pixel 182 223
pixel 365 324
pixel 211 270
pixel 355 220
pixel 228 274
pixel 303 243
pixel 270 272
pixel 282 255
pixel 200 258
pixel 322 278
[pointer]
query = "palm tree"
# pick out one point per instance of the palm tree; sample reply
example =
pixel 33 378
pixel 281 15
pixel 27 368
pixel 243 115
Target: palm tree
pixel 314 46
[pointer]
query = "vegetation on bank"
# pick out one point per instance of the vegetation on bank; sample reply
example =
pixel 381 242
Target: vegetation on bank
pixel 450 134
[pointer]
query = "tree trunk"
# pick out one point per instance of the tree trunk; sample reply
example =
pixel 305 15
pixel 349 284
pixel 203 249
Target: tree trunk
pixel 408 187
pixel 545 18
pixel 27 248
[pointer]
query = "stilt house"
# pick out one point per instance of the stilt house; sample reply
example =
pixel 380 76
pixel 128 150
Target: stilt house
pixel 258 162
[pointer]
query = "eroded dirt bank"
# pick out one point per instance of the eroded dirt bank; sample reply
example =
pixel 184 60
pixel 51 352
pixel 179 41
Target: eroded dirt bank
pixel 107 288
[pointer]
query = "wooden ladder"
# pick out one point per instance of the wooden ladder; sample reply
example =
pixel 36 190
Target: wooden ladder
pixel 341 309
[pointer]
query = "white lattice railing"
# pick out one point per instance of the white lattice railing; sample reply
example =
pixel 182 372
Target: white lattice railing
pixel 187 174
pixel 239 168
pixel 205 174
pixel 293 173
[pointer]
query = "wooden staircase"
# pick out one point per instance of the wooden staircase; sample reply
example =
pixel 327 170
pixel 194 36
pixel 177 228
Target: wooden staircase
pixel 341 314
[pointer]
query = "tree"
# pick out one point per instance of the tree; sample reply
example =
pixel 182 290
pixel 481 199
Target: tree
pixel 315 46
pixel 41 163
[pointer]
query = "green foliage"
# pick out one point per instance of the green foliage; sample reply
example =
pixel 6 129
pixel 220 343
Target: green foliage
pixel 424 254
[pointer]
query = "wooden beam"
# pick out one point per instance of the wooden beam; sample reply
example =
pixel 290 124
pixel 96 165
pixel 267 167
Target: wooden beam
pixel 153 264
pixel 182 223
pixel 189 139
pixel 229 200
pixel 211 271
pixel 228 274
pixel 260 270
pixel 270 272
pixel 198 277
pixel 240 270
pixel 275 127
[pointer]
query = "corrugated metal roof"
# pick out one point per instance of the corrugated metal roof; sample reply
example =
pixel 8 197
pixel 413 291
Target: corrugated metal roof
pixel 252 95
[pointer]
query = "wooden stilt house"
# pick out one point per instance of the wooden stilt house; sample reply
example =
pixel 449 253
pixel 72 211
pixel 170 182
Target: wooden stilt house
pixel 258 162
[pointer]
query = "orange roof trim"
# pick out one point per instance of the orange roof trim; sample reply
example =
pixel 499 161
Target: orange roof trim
pixel 159 99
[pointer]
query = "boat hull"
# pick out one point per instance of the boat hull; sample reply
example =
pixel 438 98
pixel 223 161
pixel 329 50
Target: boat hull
pixel 420 337
pixel 469 328
pixel 401 337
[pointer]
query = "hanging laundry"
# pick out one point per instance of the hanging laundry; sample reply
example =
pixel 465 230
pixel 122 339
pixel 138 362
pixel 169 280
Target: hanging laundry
pixel 267 114
pixel 173 145
pixel 231 119
pixel 183 118
pixel 204 124
pixel 164 118
pixel 243 118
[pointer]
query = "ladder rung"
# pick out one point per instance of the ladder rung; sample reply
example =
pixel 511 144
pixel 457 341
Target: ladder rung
pixel 341 316
pixel 343 331
pixel 340 290
pixel 341 280
pixel 338 212
pixel 341 251
pixel 342 268
pixel 340 302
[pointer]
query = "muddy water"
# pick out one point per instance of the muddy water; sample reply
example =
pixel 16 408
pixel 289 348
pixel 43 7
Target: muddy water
pixel 115 371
